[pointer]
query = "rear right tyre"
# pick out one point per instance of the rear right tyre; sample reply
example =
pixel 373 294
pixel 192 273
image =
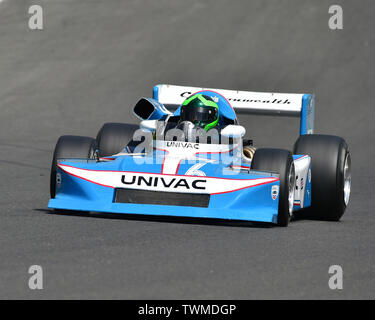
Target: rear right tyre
pixel 330 175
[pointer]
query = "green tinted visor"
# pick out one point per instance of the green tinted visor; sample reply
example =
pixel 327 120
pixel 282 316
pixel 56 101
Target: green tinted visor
pixel 199 115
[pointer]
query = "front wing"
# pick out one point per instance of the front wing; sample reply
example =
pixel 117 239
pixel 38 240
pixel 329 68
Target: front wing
pixel 253 197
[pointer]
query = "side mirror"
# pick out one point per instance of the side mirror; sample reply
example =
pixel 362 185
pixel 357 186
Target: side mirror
pixel 233 131
pixel 148 125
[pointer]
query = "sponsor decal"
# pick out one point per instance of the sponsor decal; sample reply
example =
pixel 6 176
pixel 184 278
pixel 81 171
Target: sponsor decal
pixel 274 192
pixel 309 175
pixel 164 182
pixel 58 180
pixel 174 183
pixel 179 144
pixel 296 182
pixel 186 94
pixel 245 100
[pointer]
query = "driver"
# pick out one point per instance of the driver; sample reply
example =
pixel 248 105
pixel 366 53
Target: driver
pixel 199 114
pixel 200 110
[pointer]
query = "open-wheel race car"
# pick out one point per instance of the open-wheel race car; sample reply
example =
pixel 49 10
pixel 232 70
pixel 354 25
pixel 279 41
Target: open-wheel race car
pixel 188 157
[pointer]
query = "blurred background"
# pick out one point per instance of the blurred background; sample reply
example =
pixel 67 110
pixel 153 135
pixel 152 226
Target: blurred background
pixel 91 63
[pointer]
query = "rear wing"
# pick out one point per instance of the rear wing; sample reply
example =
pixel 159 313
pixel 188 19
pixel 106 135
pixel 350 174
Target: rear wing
pixel 264 103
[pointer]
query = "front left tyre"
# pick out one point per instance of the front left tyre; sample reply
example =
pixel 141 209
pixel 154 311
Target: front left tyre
pixel 70 147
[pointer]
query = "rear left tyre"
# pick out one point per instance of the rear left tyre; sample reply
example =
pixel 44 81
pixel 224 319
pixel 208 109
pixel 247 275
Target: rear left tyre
pixel 113 137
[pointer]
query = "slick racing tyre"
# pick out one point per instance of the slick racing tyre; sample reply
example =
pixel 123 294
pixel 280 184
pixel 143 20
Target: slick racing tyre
pixel 114 137
pixel 279 161
pixel 330 175
pixel 73 147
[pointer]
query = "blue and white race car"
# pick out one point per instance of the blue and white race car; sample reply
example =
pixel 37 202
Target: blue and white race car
pixel 188 157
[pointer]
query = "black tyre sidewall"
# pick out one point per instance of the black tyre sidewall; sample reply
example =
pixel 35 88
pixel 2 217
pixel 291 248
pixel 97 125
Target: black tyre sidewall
pixel 277 161
pixel 112 138
pixel 328 154
pixel 343 151
pixel 72 147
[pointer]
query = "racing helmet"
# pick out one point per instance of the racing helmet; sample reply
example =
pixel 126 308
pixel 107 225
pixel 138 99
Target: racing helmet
pixel 200 110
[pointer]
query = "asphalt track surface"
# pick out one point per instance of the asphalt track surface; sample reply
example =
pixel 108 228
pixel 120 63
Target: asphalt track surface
pixel 91 63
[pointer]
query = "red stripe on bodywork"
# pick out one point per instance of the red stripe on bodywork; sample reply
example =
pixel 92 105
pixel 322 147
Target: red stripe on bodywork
pixel 255 185
pixel 165 174
pixel 72 174
pixel 103 185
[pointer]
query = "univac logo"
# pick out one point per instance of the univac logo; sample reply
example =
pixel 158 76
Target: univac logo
pixel 169 183
pixel 187 145
pixel 274 192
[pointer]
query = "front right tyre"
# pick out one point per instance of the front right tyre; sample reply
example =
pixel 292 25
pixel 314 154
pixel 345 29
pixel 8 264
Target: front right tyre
pixel 279 161
pixel 70 147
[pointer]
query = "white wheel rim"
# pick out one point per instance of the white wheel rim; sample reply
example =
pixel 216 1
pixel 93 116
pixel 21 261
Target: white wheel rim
pixel 291 187
pixel 347 178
